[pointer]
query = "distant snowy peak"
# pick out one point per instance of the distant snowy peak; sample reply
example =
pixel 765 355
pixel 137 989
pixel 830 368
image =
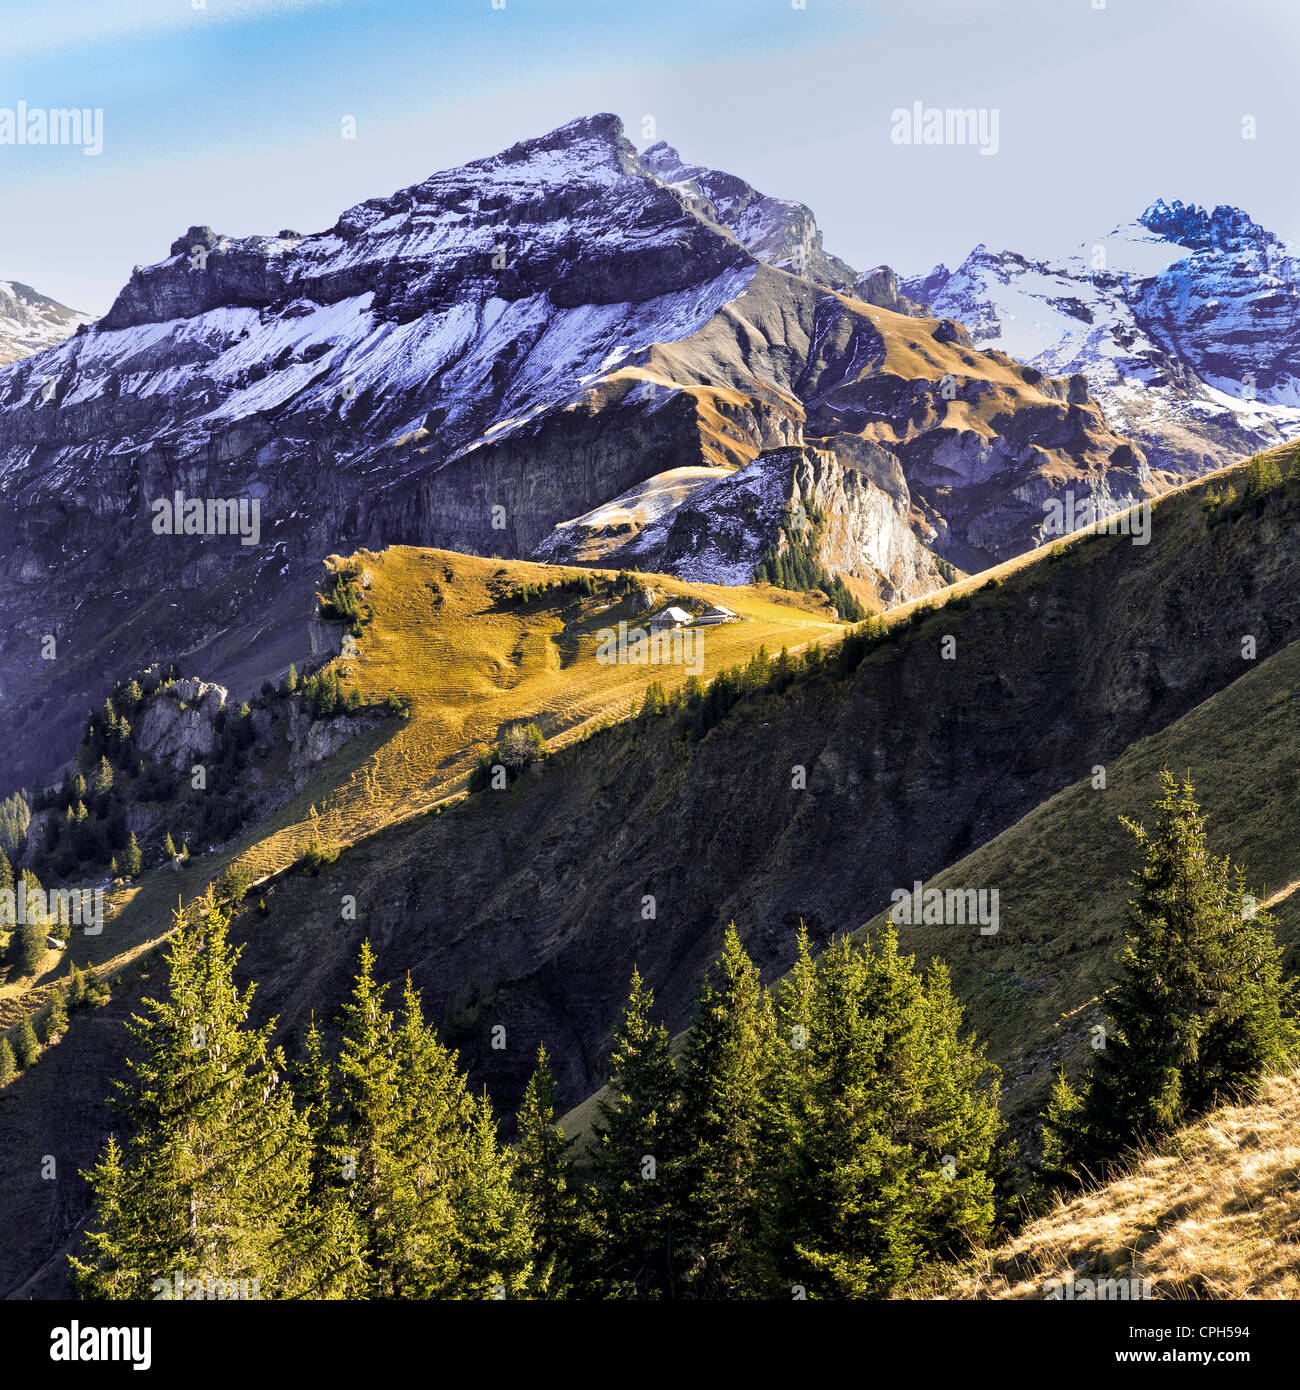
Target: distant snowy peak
pixel 1186 323
pixel 30 321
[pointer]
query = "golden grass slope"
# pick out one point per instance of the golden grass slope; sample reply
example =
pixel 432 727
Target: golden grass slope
pixel 470 664
pixel 1213 1213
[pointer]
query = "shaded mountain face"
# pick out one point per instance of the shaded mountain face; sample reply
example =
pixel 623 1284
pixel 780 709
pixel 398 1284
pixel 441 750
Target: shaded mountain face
pixel 30 321
pixel 1186 324
pixel 468 364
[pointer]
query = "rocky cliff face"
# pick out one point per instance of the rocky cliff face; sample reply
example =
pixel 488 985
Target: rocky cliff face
pixel 729 520
pixel 467 363
pixel 1186 324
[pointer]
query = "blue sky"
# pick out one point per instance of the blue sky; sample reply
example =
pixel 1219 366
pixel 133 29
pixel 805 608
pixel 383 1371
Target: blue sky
pixel 231 114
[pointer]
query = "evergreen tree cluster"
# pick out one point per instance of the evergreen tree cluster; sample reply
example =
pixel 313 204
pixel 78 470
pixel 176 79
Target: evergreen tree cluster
pixel 15 815
pixel 324 695
pixel 342 601
pixel 26 951
pixel 827 1138
pixel 108 771
pixel 1265 482
pixel 22 1050
pixel 697 706
pixel 579 585
pixel 368 1173
pixel 794 565
pixel 830 1138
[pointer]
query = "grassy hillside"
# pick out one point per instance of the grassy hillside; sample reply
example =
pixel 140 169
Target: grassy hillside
pixel 1210 1214
pixel 449 639
pixel 1062 872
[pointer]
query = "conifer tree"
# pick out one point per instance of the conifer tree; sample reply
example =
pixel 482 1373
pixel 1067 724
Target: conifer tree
pixel 428 1187
pixel 8 1066
pixel 634 1161
pixel 56 1021
pixel 76 986
pixel 132 861
pixel 212 1181
pixel 1200 1010
pixel 545 1177
pixel 28 948
pixel 725 1072
pixel 26 1048
pixel 494 1245
pixel 892 1125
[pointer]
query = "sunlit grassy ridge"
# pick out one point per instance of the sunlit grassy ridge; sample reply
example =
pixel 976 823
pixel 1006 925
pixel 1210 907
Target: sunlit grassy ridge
pixel 1211 1214
pixel 448 638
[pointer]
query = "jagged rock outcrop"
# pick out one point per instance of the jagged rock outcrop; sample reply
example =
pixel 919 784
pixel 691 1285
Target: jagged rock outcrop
pixel 728 523
pixel 179 723
pixel 879 286
pixel 30 321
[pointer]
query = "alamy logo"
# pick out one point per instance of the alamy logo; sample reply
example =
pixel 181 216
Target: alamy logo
pixel 179 515
pixel 77 1343
pixel 637 647
pixel 34 125
pixel 1066 514
pixel 56 907
pixel 947 125
pixel 1073 1290
pixel 178 1288
pixel 945 907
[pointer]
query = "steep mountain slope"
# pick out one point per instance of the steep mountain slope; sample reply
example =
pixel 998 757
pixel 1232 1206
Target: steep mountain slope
pixel 1210 1214
pixel 30 321
pixel 465 365
pixel 527 908
pixel 1186 324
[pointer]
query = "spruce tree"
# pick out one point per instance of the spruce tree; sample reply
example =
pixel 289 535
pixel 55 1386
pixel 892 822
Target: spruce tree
pixel 1200 1011
pixel 27 943
pixel 725 1073
pixel 495 1235
pixel 212 1181
pixel 545 1177
pixel 428 1187
pixel 8 1066
pixel 56 1021
pixel 634 1160
pixel 892 1126
pixel 25 1046
pixel 76 987
pixel 132 861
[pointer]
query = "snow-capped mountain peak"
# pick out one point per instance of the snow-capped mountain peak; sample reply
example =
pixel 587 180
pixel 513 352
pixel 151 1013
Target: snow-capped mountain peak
pixel 1185 322
pixel 30 321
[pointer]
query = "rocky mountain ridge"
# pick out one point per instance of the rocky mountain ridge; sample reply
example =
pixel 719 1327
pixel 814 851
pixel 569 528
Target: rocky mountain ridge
pixel 1185 323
